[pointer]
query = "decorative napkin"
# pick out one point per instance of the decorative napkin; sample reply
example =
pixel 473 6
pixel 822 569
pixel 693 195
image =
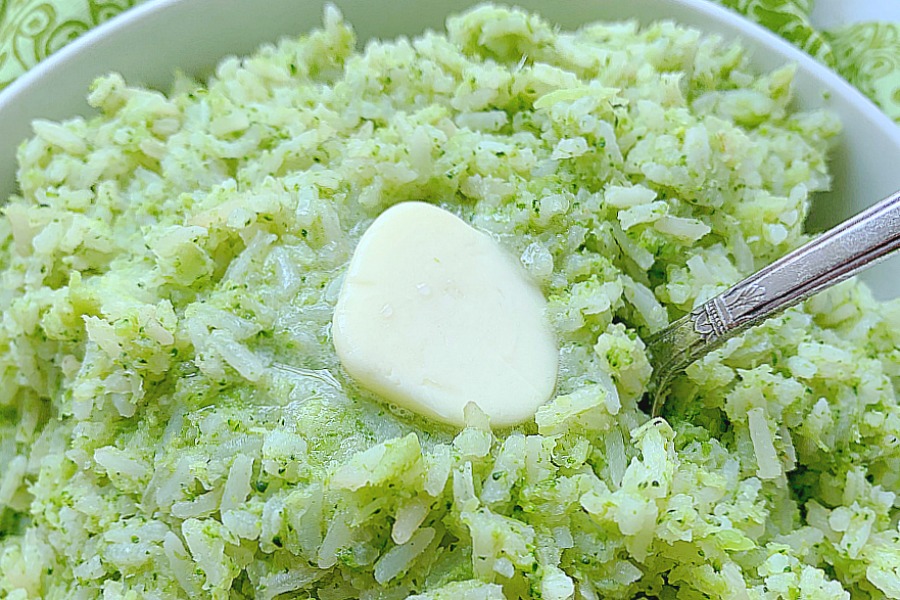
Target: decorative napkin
pixel 866 54
pixel 31 30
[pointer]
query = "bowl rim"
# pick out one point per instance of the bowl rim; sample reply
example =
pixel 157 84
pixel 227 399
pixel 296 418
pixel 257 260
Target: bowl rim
pixel 58 59
pixel 134 15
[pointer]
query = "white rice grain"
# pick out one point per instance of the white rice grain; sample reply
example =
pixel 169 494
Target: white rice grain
pixel 763 444
pixel 400 558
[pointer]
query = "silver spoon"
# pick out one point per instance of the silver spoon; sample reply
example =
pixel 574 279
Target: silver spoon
pixel 834 256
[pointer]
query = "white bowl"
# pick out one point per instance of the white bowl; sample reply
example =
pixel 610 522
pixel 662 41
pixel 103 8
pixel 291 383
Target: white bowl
pixel 148 43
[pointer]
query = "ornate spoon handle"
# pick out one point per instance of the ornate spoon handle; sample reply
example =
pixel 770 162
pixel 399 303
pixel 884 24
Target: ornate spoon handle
pixel 837 254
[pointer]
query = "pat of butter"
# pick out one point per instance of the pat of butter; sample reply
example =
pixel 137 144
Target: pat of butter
pixel 433 315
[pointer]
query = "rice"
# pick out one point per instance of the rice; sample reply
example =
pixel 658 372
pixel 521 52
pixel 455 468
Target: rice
pixel 174 422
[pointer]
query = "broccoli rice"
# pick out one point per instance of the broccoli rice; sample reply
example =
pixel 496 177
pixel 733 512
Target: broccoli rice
pixel 174 422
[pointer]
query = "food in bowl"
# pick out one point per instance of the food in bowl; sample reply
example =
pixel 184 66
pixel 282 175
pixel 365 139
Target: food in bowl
pixel 175 419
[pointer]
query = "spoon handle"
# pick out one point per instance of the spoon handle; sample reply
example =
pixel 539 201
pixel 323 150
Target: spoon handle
pixel 834 256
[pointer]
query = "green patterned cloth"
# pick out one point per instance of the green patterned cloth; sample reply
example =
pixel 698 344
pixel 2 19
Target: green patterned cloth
pixel 867 54
pixel 30 30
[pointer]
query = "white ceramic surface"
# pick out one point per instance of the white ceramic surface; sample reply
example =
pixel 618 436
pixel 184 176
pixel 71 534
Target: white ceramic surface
pixel 148 43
